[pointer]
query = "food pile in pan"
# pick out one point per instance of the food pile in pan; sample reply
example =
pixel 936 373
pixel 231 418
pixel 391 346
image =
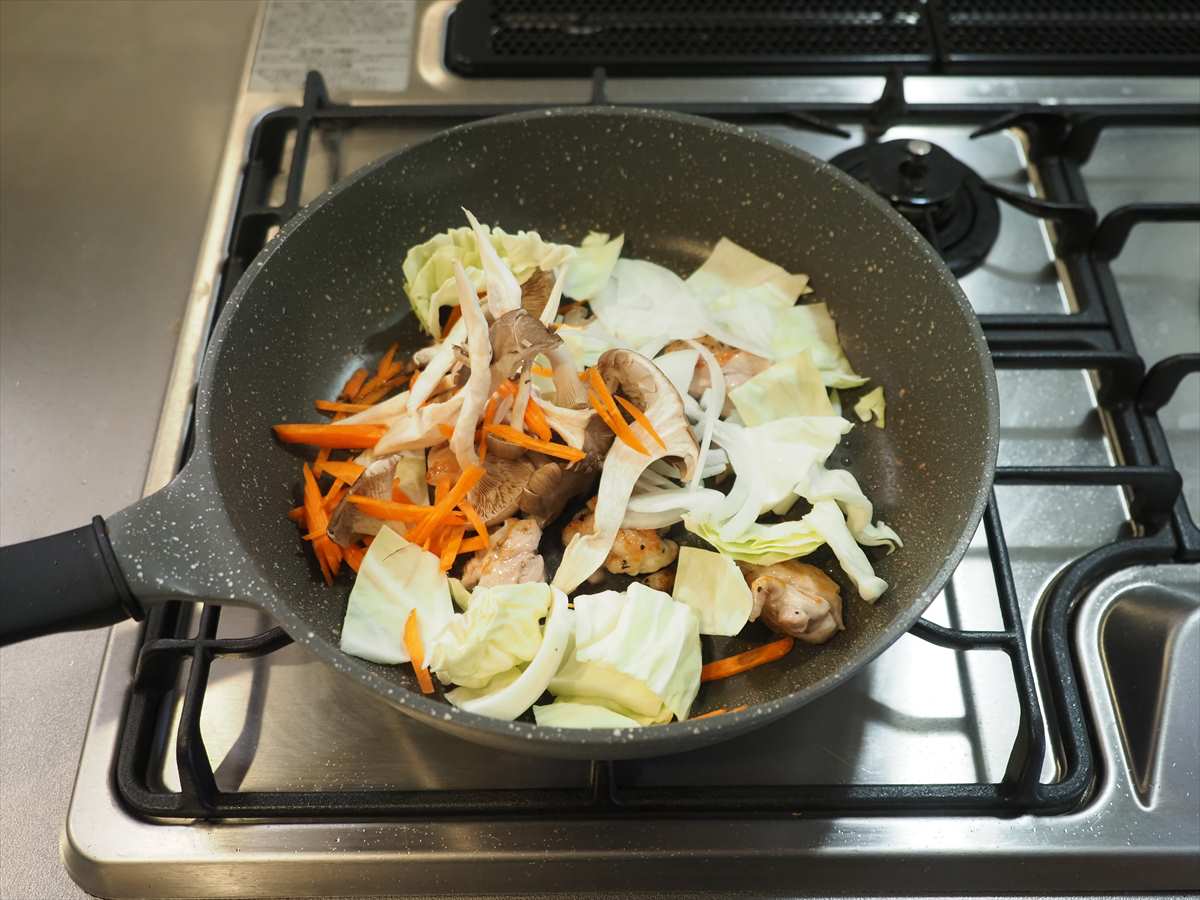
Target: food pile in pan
pixel 674 432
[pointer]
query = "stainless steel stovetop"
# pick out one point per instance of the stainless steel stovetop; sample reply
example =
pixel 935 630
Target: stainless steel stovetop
pixel 920 714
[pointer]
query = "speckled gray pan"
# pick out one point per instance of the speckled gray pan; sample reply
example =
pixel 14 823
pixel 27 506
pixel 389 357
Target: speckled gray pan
pixel 327 293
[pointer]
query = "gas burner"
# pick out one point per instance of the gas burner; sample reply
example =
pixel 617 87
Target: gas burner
pixel 939 195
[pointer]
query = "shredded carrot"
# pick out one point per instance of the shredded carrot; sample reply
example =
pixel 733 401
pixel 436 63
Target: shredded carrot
pixel 391 511
pixel 559 451
pixel 354 384
pixel 640 418
pixel 446 430
pixel 384 371
pixel 412 643
pixel 441 489
pixel 616 424
pixel 442 509
pixel 507 389
pixel 535 419
pixel 475 519
pixel 331 499
pixel 743 662
pixel 470 545
pixel 413 378
pixel 544 371
pixel 450 548
pixel 334 437
pixel 317 523
pixel 322 458
pixel 333 554
pixel 344 470
pixel 398 494
pixel 335 406
pixel 452 319
pixel 296 514
pixel 489 411
pixel 719 711
pixel 354 556
pixel 370 397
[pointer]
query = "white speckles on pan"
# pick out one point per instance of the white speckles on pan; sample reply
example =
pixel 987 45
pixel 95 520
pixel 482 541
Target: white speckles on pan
pixel 326 293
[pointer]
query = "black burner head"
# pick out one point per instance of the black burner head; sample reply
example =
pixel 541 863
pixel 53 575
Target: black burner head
pixel 941 196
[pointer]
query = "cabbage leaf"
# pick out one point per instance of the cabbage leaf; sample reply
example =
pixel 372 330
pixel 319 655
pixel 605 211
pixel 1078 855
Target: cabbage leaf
pixel 645 306
pixel 790 387
pixel 645 636
pixel 499 630
pixel 872 406
pixel 591 266
pixel 395 578
pixel 568 714
pixel 713 586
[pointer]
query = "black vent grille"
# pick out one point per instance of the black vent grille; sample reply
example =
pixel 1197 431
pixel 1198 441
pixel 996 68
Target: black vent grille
pixel 571 37
pixel 1156 35
pixel 724 37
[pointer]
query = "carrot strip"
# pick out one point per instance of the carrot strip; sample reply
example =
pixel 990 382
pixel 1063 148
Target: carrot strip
pixel 640 418
pixel 446 430
pixel 335 406
pixel 413 378
pixel 398 494
pixel 442 509
pixel 719 711
pixel 354 556
pixel 507 389
pixel 743 662
pixel 385 365
pixel 470 545
pixel 296 513
pixel 354 384
pixel 535 419
pixel 489 411
pixel 316 522
pixel 620 428
pixel 559 451
pixel 333 554
pixel 391 511
pixel 344 470
pixel 544 371
pixel 616 424
pixel 331 499
pixel 373 396
pixel 450 548
pixel 333 437
pixel 441 489
pixel 412 643
pixel 475 519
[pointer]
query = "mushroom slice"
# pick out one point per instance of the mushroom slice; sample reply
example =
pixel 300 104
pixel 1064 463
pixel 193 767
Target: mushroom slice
pixel 550 487
pixel 647 387
pixel 797 600
pixel 535 292
pixel 375 482
pixel 570 424
pixel 479 385
pixel 516 338
pixel 497 495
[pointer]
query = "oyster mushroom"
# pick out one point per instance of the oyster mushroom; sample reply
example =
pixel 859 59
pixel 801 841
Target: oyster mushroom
pixel 375 482
pixel 555 482
pixel 796 599
pixel 517 338
pixel 639 380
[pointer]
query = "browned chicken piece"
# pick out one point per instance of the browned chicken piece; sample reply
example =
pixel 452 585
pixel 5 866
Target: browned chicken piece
pixel 635 551
pixel 662 580
pixel 512 558
pixel 796 599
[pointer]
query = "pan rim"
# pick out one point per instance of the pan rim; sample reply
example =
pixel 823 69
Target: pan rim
pixel 628 742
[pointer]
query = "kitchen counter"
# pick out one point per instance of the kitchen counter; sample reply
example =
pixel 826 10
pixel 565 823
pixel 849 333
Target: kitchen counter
pixel 112 120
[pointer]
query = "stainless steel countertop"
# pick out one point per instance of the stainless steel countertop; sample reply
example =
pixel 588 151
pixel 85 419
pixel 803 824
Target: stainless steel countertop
pixel 112 120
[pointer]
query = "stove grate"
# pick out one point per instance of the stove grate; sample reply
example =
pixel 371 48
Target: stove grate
pixel 1096 339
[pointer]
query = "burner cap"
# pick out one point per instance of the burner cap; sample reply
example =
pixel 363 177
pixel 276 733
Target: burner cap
pixel 940 195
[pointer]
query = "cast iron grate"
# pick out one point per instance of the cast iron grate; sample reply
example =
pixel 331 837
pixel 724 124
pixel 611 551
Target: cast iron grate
pixel 1097 338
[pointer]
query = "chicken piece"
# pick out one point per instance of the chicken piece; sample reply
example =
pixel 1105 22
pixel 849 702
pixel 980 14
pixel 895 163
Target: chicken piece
pixel 512 558
pixel 635 551
pixel 738 368
pixel 796 599
pixel 662 580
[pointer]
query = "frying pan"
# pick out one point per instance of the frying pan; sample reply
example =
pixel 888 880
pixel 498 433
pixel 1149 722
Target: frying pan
pixel 327 291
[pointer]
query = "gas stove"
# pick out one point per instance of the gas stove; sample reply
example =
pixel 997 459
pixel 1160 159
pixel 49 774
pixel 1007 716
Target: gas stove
pixel 1037 732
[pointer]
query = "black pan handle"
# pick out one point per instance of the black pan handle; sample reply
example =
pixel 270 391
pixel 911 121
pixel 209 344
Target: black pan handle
pixel 64 582
pixel 176 544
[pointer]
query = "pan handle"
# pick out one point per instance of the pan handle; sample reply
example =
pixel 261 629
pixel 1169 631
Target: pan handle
pixel 64 582
pixel 176 544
